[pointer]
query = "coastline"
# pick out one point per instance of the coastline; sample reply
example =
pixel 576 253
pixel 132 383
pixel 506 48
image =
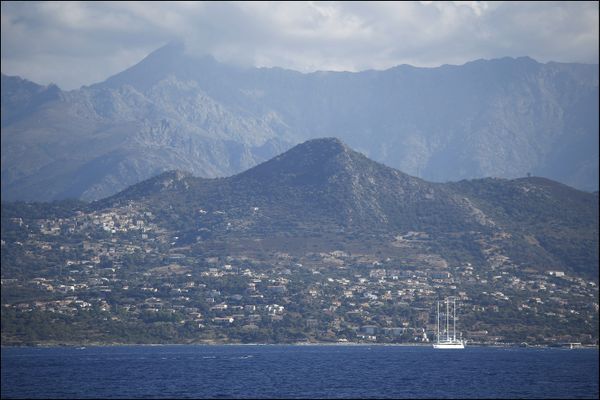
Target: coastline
pixel 315 344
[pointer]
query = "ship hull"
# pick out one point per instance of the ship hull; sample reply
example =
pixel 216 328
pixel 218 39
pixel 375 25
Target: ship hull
pixel 455 345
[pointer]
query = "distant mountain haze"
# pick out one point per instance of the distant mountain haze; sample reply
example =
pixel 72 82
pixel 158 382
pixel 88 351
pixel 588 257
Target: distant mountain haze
pixel 498 118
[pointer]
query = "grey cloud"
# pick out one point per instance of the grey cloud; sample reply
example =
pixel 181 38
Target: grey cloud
pixel 76 43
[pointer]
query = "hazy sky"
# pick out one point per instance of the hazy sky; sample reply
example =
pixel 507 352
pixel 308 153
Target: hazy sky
pixel 79 43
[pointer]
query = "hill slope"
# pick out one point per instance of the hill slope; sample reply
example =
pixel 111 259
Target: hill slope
pixel 324 188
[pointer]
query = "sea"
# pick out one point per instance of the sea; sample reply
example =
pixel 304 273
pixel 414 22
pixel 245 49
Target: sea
pixel 298 371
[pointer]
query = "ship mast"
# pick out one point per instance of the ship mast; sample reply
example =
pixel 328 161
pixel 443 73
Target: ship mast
pixel 447 327
pixel 438 321
pixel 454 319
pixel 450 341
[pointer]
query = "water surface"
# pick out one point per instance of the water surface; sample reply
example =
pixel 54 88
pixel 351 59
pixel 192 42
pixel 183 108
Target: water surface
pixel 298 372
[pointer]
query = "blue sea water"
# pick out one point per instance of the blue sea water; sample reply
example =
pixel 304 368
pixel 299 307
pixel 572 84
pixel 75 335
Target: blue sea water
pixel 281 371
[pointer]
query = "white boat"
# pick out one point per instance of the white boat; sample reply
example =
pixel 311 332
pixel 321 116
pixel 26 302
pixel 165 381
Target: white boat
pixel 459 344
pixel 449 341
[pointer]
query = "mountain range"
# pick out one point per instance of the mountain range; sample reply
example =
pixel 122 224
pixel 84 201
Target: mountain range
pixel 172 111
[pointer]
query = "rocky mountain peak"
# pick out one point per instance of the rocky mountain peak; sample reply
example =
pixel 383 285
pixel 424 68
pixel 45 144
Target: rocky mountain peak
pixel 169 60
pixel 315 161
pixel 22 97
pixel 169 181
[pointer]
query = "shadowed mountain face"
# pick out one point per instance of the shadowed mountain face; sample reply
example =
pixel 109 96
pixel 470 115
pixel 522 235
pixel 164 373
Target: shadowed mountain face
pixel 505 118
pixel 324 188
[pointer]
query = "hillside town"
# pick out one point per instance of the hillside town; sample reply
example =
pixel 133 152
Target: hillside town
pixel 116 276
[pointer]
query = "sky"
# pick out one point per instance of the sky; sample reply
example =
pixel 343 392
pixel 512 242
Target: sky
pixel 79 43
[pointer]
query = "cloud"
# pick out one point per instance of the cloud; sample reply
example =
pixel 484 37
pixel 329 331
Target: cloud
pixel 76 43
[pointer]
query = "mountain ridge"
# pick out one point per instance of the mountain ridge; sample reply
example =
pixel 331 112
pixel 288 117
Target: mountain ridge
pixel 505 117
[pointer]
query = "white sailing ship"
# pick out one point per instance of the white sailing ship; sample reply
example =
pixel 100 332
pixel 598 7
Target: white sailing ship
pixel 448 341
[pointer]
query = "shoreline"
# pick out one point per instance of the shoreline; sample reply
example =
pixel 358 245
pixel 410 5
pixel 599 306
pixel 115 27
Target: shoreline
pixel 316 344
